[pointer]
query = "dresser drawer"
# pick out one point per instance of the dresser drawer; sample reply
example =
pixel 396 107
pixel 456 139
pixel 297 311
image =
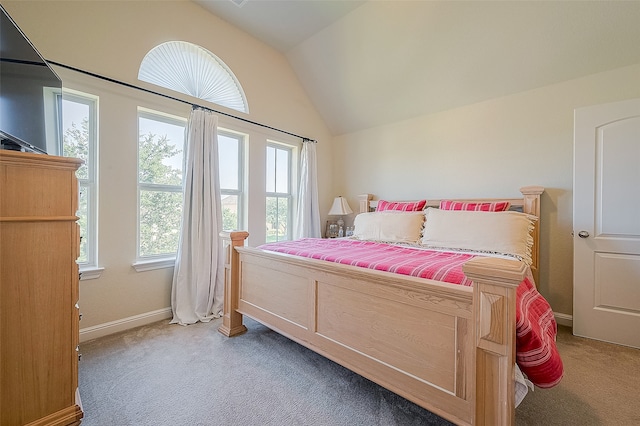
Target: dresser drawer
pixel 29 189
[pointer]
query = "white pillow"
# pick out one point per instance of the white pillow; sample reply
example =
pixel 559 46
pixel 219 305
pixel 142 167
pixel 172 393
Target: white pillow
pixel 389 226
pixel 493 232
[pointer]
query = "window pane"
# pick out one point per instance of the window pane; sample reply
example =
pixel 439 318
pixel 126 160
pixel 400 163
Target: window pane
pixel 271 169
pixel 193 70
pixel 277 219
pixel 160 151
pixel 79 123
pixel 160 214
pixel 75 128
pixel 230 212
pixel 228 148
pixel 282 171
pixel 283 219
pixel 82 221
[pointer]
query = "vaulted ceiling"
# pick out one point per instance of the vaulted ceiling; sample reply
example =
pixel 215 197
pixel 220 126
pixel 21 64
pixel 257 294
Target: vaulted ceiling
pixel 368 63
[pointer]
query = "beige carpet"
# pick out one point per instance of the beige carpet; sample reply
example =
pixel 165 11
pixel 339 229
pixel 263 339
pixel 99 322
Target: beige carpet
pixel 601 386
pixel 165 374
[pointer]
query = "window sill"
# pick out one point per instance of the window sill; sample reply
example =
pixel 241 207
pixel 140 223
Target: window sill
pixel 149 265
pixel 90 273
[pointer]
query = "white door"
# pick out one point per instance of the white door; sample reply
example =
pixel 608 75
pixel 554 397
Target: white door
pixel 606 223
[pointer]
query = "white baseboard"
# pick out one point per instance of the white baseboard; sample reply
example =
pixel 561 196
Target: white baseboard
pixel 564 319
pixel 111 327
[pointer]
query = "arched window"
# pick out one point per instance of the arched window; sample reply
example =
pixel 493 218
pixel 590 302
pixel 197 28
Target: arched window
pixel 193 70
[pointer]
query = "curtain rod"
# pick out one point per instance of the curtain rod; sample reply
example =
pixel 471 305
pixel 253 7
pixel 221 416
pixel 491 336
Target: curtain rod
pixel 132 86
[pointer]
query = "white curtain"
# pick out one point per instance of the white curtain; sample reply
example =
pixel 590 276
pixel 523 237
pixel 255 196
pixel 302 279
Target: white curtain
pixel 198 279
pixel 307 222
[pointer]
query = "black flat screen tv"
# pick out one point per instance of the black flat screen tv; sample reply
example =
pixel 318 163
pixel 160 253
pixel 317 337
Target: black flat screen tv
pixel 30 94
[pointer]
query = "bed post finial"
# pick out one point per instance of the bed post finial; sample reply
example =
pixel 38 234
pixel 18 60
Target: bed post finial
pixel 531 206
pixel 363 200
pixel 532 199
pixel 231 319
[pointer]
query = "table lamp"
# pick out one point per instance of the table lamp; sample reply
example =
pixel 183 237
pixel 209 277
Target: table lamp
pixel 340 207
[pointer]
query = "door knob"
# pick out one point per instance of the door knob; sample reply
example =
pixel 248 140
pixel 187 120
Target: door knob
pixel 583 234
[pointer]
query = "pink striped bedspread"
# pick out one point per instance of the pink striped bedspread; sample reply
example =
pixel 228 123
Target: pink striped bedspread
pixel 536 351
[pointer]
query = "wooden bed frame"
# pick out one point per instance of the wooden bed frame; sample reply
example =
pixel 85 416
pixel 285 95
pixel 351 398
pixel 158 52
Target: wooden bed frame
pixel 447 348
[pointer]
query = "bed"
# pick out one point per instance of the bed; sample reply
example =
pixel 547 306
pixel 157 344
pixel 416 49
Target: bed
pixel 449 348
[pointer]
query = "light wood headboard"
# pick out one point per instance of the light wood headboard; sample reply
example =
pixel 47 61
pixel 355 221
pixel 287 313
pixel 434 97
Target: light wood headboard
pixel 529 203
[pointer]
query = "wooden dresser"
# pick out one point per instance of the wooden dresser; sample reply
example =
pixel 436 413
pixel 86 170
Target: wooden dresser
pixel 39 329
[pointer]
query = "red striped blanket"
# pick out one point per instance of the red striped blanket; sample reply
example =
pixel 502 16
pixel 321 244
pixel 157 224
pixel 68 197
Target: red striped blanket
pixel 536 352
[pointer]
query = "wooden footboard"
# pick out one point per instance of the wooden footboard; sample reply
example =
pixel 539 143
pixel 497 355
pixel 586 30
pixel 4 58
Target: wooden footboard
pixel 448 348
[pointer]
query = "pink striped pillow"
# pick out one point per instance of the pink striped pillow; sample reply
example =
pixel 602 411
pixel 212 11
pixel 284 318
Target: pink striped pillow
pixel 401 206
pixel 500 206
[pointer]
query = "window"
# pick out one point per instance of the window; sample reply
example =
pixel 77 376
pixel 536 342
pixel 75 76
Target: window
pixel 80 140
pixel 278 193
pixel 230 154
pixel 193 70
pixel 160 173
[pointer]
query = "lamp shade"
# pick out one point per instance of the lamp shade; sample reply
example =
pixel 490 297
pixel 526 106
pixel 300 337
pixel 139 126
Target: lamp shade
pixel 340 207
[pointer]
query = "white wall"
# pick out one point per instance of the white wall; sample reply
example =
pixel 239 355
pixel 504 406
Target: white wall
pixel 110 39
pixel 489 149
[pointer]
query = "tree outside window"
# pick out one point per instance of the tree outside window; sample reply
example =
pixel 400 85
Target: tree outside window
pixel 230 155
pixel 79 140
pixel 160 172
pixel 278 188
